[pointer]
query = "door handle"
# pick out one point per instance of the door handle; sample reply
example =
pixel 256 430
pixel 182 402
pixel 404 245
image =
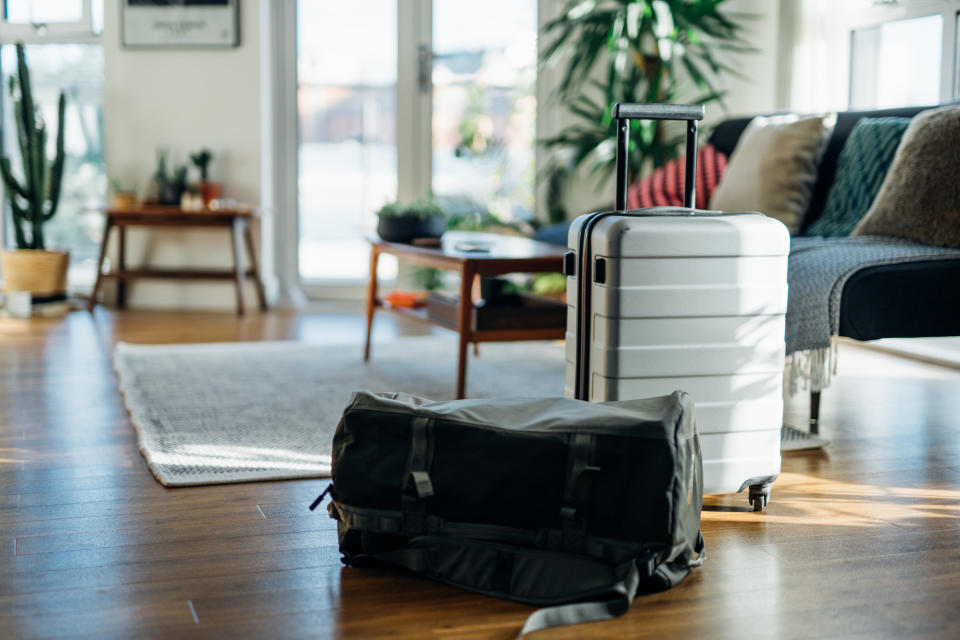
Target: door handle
pixel 424 64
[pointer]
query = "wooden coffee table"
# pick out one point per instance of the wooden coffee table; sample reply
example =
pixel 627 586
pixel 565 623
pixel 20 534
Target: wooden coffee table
pixel 504 254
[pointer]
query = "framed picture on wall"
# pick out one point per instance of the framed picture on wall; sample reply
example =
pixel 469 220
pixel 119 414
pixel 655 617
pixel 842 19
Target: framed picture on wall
pixel 180 23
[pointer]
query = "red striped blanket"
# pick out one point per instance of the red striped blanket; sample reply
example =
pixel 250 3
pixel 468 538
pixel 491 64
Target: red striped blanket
pixel 664 187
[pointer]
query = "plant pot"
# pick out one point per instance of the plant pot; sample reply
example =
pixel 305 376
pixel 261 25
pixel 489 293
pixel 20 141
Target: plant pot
pixel 171 193
pixel 124 200
pixel 42 273
pixel 406 228
pixel 210 190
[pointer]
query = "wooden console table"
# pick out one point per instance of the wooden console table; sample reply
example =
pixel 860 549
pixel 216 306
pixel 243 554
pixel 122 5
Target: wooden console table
pixel 504 254
pixel 237 220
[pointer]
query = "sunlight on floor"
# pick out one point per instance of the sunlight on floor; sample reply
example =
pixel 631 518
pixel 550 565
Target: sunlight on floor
pixel 242 458
pixel 802 499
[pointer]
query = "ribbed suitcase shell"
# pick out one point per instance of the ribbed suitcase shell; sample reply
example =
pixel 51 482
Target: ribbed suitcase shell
pixel 695 303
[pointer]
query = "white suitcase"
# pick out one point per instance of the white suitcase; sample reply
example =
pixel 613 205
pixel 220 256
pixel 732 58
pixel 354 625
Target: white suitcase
pixel 677 298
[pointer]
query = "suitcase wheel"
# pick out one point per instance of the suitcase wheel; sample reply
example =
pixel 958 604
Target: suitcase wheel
pixel 759 496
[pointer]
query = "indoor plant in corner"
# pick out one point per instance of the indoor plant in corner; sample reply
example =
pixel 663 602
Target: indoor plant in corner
pixel 34 197
pixel 646 51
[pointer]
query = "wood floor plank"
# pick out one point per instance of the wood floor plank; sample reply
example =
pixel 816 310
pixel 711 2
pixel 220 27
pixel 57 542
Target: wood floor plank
pixel 123 554
pixel 860 540
pixel 241 523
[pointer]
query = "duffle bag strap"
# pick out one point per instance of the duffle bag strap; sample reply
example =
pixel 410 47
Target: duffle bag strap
pixel 621 595
pixel 417 485
pixel 581 467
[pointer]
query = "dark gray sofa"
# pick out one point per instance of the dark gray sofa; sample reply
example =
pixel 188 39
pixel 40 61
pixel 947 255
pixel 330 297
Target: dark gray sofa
pixel 911 300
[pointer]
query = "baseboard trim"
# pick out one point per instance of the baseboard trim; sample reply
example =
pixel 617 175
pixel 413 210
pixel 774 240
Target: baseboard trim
pixel 905 352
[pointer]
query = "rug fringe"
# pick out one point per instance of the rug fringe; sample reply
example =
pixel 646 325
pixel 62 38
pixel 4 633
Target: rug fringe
pixel 812 369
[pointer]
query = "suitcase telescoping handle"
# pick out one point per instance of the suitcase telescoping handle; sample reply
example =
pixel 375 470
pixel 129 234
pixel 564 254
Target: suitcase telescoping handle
pixel 585 271
pixel 623 113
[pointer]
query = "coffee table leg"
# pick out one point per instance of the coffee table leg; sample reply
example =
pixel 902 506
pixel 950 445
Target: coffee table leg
pixel 463 326
pixel 371 298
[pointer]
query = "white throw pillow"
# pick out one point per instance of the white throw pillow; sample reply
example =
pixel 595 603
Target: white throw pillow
pixel 773 167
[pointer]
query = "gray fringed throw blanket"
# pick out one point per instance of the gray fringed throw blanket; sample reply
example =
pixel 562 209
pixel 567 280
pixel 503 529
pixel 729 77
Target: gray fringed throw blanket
pixel 818 269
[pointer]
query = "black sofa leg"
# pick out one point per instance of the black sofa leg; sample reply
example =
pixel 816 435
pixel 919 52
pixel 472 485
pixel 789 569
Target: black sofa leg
pixel 815 412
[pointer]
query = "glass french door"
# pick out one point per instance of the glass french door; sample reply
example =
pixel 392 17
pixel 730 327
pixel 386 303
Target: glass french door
pixel 346 97
pixel 484 105
pixel 411 98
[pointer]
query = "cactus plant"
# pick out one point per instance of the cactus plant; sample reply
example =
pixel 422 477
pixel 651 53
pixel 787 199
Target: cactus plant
pixel 33 202
pixel 202 160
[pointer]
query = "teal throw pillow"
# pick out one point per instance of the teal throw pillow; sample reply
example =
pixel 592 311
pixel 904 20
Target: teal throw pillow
pixel 861 168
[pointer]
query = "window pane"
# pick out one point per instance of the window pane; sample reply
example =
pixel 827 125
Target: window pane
pixel 78 71
pixel 348 156
pixel 484 103
pixel 896 64
pixel 42 11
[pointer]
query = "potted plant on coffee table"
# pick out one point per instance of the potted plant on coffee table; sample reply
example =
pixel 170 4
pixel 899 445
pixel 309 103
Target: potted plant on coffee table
pixel 405 222
pixel 33 196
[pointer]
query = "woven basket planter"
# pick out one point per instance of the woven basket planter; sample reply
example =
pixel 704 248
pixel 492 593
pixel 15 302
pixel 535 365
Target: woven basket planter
pixel 42 273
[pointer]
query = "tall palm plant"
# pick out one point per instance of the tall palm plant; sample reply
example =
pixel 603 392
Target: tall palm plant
pixel 647 51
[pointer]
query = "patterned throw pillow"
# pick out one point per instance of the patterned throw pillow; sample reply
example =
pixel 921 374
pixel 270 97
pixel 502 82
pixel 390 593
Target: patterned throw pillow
pixel 664 187
pixel 863 163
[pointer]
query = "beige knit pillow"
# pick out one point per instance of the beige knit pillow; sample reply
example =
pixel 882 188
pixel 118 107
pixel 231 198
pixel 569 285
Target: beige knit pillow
pixel 920 197
pixel 773 168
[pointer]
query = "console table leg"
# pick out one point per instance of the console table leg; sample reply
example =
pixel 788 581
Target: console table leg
pixel 121 266
pixel 371 299
pixel 254 265
pixel 464 326
pixel 107 226
pixel 237 232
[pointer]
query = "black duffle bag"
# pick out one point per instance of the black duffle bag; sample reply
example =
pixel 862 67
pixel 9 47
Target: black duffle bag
pixel 564 504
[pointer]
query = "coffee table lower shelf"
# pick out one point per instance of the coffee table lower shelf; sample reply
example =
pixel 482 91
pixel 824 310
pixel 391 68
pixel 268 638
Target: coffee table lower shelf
pixel 478 335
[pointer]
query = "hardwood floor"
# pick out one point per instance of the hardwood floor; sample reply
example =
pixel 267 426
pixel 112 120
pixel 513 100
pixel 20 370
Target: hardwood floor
pixel 860 540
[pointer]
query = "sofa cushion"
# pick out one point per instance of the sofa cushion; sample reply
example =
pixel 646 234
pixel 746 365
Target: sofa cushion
pixel 664 187
pixel 726 134
pixel 920 197
pixel 773 168
pixel 861 168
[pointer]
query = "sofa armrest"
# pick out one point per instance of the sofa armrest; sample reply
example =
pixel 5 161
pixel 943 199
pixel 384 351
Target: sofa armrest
pixel 908 300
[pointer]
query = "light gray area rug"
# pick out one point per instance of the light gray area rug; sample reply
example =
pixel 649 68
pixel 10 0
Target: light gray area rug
pixel 252 411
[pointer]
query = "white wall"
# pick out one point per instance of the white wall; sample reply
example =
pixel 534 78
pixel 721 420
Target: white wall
pixel 184 99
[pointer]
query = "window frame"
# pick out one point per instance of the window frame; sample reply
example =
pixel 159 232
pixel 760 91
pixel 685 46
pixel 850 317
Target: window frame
pixel 78 32
pixel 876 14
pixel 30 34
